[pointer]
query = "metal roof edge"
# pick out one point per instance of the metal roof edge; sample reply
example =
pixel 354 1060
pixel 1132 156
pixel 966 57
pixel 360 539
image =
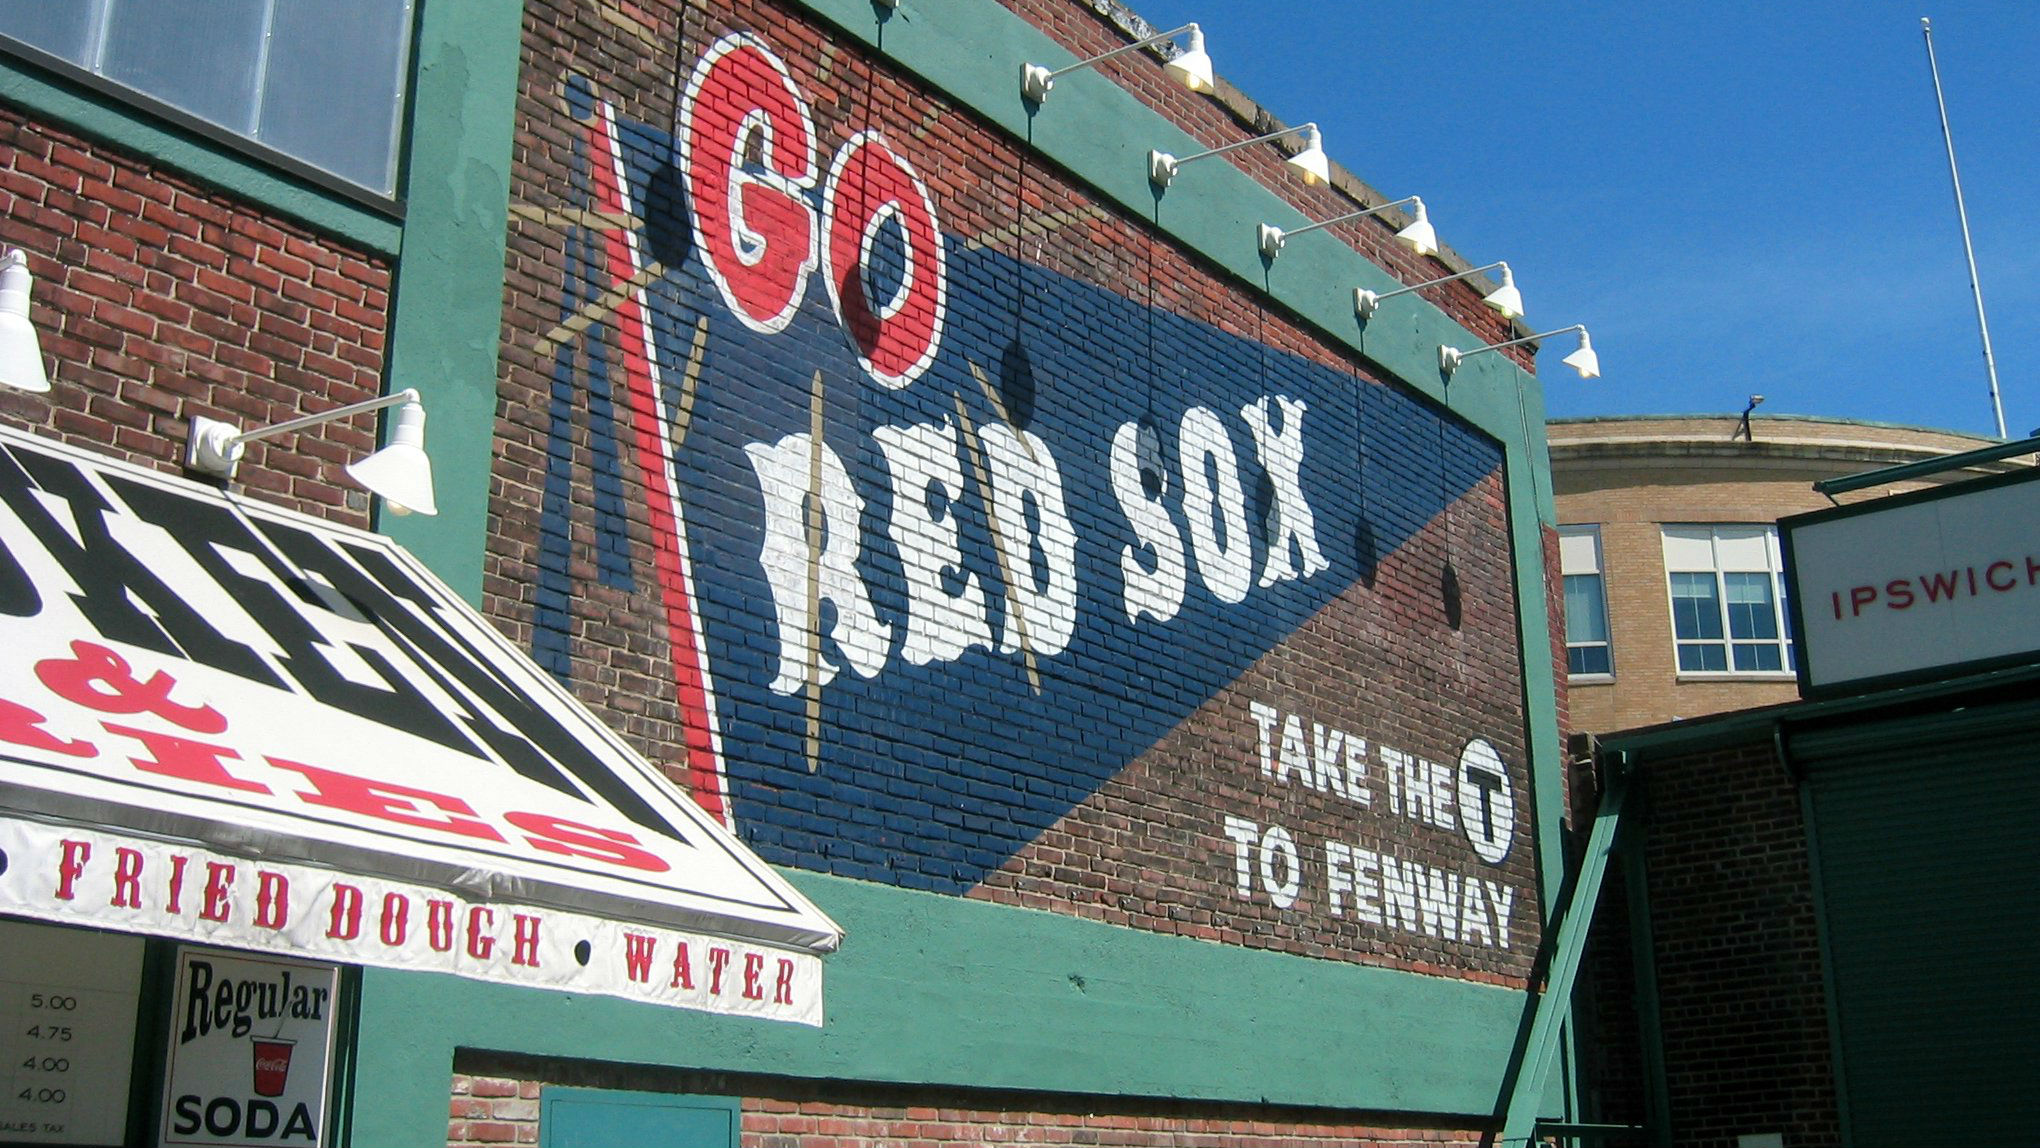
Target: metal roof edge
pixel 1735 727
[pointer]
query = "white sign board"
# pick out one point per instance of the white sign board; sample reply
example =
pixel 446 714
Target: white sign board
pixel 1919 582
pixel 251 1050
pixel 179 664
pixel 67 1033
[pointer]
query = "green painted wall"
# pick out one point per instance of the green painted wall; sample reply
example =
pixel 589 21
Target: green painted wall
pixel 958 992
pixel 448 298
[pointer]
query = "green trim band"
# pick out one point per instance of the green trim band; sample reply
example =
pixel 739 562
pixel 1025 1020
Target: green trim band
pixel 1056 1004
pixel 446 326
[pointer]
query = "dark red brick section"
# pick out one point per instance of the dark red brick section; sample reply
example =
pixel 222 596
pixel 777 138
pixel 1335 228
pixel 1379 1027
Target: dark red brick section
pixel 1741 997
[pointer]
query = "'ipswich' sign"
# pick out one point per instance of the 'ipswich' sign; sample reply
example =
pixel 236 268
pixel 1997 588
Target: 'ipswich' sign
pixel 229 722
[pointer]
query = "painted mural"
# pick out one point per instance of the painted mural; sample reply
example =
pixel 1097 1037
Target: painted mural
pixel 978 577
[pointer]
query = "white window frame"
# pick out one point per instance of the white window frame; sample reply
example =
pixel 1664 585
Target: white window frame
pixel 1580 556
pixel 1716 550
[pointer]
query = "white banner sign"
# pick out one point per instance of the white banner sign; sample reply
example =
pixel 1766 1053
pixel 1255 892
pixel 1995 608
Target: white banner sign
pixel 184 665
pixel 87 877
pixel 1921 582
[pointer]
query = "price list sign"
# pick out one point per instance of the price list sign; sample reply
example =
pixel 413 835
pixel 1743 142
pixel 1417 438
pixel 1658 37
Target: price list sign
pixel 68 1000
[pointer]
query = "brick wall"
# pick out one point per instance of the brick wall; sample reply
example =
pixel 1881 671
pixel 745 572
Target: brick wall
pixel 1741 1001
pixel 1099 781
pixel 158 298
pixel 496 1101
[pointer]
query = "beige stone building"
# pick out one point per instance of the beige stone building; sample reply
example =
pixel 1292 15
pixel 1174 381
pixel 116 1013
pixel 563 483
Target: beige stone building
pixel 1675 601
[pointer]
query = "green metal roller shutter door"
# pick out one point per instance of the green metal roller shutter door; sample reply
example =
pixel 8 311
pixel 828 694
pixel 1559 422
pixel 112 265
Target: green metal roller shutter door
pixel 1928 838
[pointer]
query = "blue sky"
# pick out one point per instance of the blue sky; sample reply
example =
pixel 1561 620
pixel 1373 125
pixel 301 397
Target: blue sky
pixel 1736 198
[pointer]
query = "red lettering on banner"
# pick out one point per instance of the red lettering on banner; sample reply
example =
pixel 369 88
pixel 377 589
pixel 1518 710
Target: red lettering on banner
pixel 127 878
pixel 1990 576
pixel 754 228
pixel 683 969
pixel 1860 597
pixel 718 960
pixel 573 839
pixel 637 956
pixel 754 976
pixel 79 679
pixel 524 926
pixel 871 185
pixel 177 863
pixel 481 939
pixel 782 989
pixel 439 925
pixel 23 727
pixel 272 899
pixel 2032 571
pixel 396 919
pixel 346 923
pixel 388 801
pixel 185 759
pixel 71 867
pixel 219 881
pixel 1898 594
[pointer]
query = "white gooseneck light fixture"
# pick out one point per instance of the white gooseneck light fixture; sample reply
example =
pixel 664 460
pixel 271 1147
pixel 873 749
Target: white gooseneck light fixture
pixel 21 361
pixel 1191 66
pixel 1418 236
pixel 1505 300
pixel 1584 360
pixel 1309 164
pixel 400 472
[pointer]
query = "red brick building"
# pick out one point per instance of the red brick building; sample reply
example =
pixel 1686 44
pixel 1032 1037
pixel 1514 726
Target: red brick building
pixel 928 633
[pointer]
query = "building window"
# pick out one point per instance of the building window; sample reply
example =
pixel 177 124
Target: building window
pixel 1729 611
pixel 1587 650
pixel 317 81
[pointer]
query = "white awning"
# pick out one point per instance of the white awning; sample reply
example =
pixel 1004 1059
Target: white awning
pixel 197 690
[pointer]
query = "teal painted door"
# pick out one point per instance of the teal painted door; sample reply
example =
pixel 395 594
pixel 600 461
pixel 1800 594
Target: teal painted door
pixel 1926 833
pixel 601 1118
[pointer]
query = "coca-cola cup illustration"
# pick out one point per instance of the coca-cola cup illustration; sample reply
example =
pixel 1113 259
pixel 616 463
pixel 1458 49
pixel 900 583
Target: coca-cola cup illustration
pixel 272 1064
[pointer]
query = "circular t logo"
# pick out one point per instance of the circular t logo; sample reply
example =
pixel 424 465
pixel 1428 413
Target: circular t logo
pixel 1487 806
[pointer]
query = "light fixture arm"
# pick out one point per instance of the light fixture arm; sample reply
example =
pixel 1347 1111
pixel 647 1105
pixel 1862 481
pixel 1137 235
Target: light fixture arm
pixel 1580 327
pixel 407 395
pixel 1162 166
pixel 1035 80
pixel 400 471
pixel 1121 51
pixel 1583 360
pixel 1272 238
pixel 1365 301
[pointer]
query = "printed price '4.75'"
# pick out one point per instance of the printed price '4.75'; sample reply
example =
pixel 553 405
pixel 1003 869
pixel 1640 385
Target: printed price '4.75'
pixel 48 1032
